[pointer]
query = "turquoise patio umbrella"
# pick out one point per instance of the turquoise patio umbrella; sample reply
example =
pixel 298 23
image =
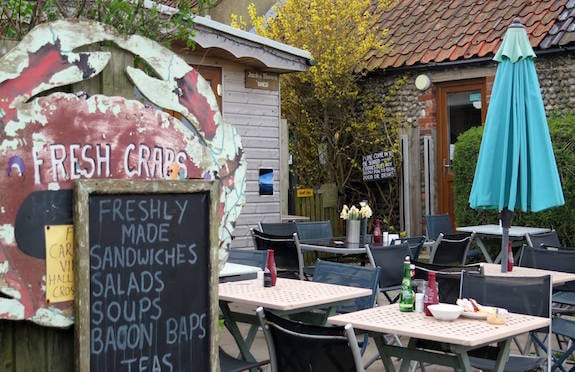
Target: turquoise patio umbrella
pixel 516 168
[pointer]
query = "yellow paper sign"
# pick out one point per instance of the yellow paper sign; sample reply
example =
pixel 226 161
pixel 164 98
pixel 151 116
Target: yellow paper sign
pixel 304 193
pixel 59 263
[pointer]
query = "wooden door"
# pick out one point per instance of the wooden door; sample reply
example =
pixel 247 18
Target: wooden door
pixel 461 105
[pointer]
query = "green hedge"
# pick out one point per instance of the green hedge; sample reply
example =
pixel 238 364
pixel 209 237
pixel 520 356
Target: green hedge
pixel 562 219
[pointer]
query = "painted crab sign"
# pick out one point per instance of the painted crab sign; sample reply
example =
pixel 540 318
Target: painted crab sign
pixel 50 138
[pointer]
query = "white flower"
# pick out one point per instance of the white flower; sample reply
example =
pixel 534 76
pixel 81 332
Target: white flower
pixel 365 210
pixel 344 212
pixel 355 213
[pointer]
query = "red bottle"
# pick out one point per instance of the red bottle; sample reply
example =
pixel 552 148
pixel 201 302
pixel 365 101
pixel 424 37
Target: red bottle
pixel 377 232
pixel 271 266
pixel 431 296
pixel 509 257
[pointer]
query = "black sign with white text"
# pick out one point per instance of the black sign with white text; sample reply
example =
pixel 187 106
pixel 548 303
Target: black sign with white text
pixel 149 295
pixel 378 166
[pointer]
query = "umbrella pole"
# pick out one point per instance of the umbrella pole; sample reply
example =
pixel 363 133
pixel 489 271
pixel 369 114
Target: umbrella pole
pixel 506 217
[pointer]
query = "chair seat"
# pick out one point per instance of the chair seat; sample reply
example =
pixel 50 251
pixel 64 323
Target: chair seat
pixel 230 364
pixel 516 363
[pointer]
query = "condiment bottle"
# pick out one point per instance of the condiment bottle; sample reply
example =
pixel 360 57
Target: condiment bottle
pixel 406 295
pixel 509 257
pixel 431 295
pixel 271 266
pixel 377 232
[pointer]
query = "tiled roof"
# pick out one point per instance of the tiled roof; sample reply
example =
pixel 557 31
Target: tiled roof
pixel 174 3
pixel 435 31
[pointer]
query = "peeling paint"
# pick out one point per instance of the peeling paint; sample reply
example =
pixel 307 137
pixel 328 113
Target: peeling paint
pixel 11 309
pixel 3 267
pixel 11 292
pixel 60 136
pixel 7 234
pixel 52 317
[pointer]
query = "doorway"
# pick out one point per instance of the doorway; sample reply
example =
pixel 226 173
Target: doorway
pixel 461 105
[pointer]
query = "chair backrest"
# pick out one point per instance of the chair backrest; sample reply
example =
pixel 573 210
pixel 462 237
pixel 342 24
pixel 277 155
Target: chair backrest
pixel 550 258
pixel 436 224
pixel 524 295
pixel 296 347
pixel 250 257
pixel 448 278
pixel 350 275
pixel 277 228
pixel 415 244
pixel 390 258
pixel 285 251
pixel 314 230
pixel 451 249
pixel 549 238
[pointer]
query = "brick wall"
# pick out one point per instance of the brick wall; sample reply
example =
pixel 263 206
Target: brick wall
pixel 419 109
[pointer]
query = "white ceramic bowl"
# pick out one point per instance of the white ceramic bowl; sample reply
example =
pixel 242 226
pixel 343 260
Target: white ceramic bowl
pixel 445 311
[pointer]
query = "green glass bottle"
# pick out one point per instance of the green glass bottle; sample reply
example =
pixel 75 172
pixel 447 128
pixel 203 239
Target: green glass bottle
pixel 406 295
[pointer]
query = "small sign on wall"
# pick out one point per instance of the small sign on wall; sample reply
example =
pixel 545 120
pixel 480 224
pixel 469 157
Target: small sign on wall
pixel 59 263
pixel 378 166
pixel 304 193
pixel 262 80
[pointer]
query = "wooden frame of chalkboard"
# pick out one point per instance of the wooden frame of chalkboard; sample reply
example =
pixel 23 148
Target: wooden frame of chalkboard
pixel 146 275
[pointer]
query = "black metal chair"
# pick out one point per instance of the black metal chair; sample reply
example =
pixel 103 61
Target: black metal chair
pixel 451 249
pixel 285 249
pixel 390 258
pixel 349 275
pixel 436 224
pixel 250 257
pixel 448 278
pixel 563 298
pixel 229 363
pixel 516 294
pixel 278 228
pixel 538 240
pixel 415 244
pixel 552 258
pixel 314 230
pixel 296 347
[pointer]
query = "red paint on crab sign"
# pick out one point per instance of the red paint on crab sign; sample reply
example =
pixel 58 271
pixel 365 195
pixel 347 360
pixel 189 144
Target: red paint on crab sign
pixel 197 103
pixel 50 138
pixel 84 138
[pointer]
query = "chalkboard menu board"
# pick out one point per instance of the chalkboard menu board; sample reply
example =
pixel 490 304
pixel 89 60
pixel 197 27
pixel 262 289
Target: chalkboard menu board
pixel 146 275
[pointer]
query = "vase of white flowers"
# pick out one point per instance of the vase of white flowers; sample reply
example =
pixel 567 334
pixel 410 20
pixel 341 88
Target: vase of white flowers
pixel 354 216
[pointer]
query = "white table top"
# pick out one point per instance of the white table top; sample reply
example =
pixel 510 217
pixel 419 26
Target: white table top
pixel 557 277
pixel 287 294
pixel 231 269
pixel 496 230
pixel 462 331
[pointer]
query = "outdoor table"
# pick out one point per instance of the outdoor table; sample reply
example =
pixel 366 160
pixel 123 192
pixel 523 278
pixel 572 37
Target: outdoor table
pixel 557 277
pixel 458 336
pixel 293 218
pixel 336 246
pixel 496 231
pixel 288 296
pixel 234 272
